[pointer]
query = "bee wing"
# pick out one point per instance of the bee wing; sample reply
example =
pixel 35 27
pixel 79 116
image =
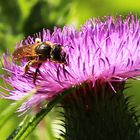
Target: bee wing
pixel 24 52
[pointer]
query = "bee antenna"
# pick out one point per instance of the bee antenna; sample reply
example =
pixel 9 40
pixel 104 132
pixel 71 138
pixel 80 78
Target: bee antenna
pixel 70 46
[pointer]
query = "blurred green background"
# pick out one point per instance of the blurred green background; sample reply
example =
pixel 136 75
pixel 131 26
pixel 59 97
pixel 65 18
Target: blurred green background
pixel 20 18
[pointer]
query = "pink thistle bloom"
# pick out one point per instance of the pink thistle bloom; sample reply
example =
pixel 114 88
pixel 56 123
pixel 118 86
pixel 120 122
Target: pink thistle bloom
pixel 107 50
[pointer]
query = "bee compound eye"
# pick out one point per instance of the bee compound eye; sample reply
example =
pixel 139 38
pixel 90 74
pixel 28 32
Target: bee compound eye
pixel 57 49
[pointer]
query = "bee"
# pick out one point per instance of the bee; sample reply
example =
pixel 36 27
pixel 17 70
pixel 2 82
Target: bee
pixel 39 52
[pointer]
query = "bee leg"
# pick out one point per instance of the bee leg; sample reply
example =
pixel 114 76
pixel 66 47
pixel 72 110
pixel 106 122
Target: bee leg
pixel 37 71
pixel 27 66
pixel 64 71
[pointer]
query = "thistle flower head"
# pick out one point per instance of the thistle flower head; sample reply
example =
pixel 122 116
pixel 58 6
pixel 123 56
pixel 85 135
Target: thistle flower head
pixel 107 50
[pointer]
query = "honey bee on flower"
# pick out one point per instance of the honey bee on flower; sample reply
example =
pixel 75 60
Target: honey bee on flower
pixel 38 53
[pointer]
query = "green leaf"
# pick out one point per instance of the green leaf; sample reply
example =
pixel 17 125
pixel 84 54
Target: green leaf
pixel 8 112
pixel 25 128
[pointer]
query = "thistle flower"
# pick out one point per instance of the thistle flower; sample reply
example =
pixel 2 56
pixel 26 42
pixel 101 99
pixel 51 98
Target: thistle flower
pixel 102 55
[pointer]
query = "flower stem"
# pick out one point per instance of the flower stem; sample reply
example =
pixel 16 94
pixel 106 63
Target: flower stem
pixel 27 126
